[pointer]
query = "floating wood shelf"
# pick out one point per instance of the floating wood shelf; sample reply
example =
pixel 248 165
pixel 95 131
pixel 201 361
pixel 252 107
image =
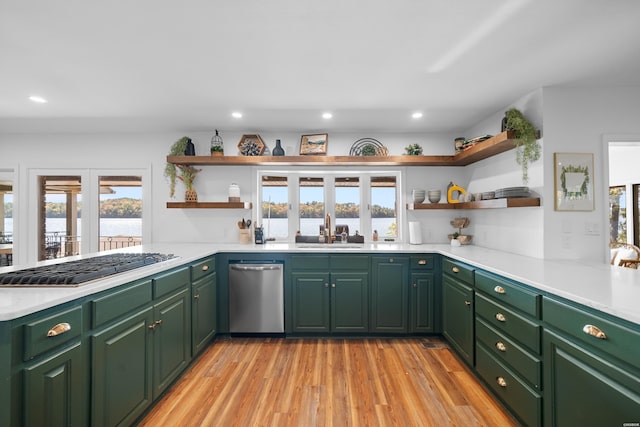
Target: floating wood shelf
pixel 515 202
pixel 210 205
pixel 498 144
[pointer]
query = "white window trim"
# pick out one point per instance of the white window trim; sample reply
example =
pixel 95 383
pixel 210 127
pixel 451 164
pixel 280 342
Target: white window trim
pixel 293 177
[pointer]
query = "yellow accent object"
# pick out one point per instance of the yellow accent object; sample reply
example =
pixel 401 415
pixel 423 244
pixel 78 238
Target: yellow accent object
pixel 453 188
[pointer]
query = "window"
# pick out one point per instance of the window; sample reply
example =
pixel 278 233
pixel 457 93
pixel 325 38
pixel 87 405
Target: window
pixel 59 216
pixel 6 221
pixel 618 213
pixel 298 201
pixel 275 206
pixel 120 212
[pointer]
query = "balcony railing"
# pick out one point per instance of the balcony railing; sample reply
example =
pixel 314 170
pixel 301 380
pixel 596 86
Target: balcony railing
pixel 59 245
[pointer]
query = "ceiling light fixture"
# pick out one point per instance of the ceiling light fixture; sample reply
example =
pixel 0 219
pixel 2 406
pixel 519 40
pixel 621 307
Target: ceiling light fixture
pixel 417 115
pixel 38 99
pixel 327 115
pixel 236 115
pixel 493 22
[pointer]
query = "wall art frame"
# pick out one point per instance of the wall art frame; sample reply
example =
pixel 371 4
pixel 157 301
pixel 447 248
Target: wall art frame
pixel 315 144
pixel 573 182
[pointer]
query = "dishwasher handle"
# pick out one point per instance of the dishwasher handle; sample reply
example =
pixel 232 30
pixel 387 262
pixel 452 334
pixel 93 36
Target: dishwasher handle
pixel 242 267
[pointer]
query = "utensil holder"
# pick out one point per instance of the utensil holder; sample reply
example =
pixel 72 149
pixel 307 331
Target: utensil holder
pixel 245 236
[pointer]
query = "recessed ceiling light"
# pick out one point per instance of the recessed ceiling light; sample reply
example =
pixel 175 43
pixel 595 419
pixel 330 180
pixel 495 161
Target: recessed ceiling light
pixel 236 114
pixel 327 115
pixel 38 99
pixel 417 115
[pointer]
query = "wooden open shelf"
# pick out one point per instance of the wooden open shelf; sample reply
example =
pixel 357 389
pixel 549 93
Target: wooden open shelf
pixel 210 205
pixel 498 144
pixel 515 202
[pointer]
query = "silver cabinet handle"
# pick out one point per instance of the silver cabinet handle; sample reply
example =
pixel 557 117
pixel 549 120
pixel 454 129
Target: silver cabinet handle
pixel 59 329
pixel 594 331
pixel 260 268
pixel 326 285
pixel 155 324
pixel 500 346
pixel 415 285
pixel 467 303
pixel 333 285
pixel 196 296
pixel 500 317
pixel 499 290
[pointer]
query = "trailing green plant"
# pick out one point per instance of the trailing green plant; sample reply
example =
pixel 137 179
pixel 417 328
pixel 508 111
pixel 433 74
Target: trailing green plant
pixel 527 147
pixel 170 170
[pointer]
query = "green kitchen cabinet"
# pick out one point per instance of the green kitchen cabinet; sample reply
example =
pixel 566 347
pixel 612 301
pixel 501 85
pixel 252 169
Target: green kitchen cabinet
pixel 389 294
pixel 55 391
pixel 423 297
pixel 457 308
pixel 330 293
pixel 591 367
pixel 122 370
pixel 203 304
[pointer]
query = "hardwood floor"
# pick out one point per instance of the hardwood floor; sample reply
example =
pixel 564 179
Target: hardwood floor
pixel 328 382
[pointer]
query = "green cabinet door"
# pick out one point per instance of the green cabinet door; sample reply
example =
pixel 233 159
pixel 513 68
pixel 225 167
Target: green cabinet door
pixel 56 390
pixel 583 389
pixel 310 302
pixel 203 312
pixel 349 302
pixel 121 378
pixel 389 294
pixel 457 317
pixel 423 291
pixel 171 339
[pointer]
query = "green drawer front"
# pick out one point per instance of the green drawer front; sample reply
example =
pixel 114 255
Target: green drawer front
pixel 170 282
pixel 621 342
pixel 118 303
pixel 507 351
pixel 203 268
pixel 422 262
pixel 460 271
pixel 508 293
pixel 516 326
pixel 525 403
pixel 64 326
pixel 349 262
pixel 310 262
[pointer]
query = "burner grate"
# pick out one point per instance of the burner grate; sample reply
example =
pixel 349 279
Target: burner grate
pixel 73 273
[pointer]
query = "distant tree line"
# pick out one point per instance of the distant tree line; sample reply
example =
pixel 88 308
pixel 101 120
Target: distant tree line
pixel 113 208
pixel 316 210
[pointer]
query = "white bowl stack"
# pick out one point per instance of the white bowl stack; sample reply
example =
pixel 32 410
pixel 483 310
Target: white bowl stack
pixel 418 195
pixel 434 196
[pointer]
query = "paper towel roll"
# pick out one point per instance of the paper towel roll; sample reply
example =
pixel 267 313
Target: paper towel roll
pixel 415 233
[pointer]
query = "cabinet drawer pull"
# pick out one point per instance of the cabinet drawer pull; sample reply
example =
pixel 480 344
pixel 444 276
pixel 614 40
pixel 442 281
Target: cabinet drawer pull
pixel 196 296
pixel 155 324
pixel 59 329
pixel 500 317
pixel 467 303
pixel 422 262
pixel 205 267
pixel 499 290
pixel 326 285
pixel 500 346
pixel 594 331
pixel 415 285
pixel 501 382
pixel 333 285
pixel 390 259
pixel 455 269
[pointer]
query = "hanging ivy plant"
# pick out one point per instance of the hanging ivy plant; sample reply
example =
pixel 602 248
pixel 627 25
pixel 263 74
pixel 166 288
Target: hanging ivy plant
pixel 527 147
pixel 170 170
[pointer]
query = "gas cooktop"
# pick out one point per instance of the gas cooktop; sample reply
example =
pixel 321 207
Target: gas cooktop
pixel 74 273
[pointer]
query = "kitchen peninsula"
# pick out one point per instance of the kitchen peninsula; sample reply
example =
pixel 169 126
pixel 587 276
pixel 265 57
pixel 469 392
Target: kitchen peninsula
pixel 548 306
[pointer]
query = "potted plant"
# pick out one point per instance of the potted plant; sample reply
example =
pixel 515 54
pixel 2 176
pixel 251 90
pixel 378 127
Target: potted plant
pixel 188 175
pixel 413 150
pixel 217 150
pixel 527 147
pixel 170 170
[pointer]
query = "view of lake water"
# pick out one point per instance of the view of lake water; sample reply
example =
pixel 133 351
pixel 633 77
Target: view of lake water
pixel 108 226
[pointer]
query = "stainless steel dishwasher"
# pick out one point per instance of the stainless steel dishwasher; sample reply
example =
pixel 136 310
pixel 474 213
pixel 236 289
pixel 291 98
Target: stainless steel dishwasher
pixel 256 297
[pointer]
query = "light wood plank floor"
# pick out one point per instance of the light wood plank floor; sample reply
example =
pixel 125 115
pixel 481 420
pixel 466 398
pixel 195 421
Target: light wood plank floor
pixel 328 382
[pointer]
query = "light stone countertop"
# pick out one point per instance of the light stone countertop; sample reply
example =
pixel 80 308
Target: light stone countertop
pixel 612 290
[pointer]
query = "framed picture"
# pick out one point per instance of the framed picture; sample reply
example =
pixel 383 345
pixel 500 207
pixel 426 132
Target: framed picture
pixel 314 144
pixel 573 181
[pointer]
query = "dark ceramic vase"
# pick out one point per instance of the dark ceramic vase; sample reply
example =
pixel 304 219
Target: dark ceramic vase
pixel 278 150
pixel 190 149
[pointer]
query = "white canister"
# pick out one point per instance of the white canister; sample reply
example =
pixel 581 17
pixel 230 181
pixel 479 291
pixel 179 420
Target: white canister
pixel 415 233
pixel 234 193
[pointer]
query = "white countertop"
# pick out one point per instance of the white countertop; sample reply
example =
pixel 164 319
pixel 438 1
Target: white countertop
pixel 613 290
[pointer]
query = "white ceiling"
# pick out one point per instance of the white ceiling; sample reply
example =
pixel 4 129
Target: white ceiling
pixel 179 66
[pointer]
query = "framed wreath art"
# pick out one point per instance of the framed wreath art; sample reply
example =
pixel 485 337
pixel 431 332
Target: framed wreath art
pixel 573 181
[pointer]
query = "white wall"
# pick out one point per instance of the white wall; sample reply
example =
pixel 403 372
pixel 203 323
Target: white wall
pixel 580 120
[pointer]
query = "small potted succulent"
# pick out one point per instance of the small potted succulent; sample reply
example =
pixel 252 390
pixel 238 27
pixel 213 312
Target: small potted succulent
pixel 413 150
pixel 217 150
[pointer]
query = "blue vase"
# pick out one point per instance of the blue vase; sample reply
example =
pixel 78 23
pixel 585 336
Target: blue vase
pixel 278 150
